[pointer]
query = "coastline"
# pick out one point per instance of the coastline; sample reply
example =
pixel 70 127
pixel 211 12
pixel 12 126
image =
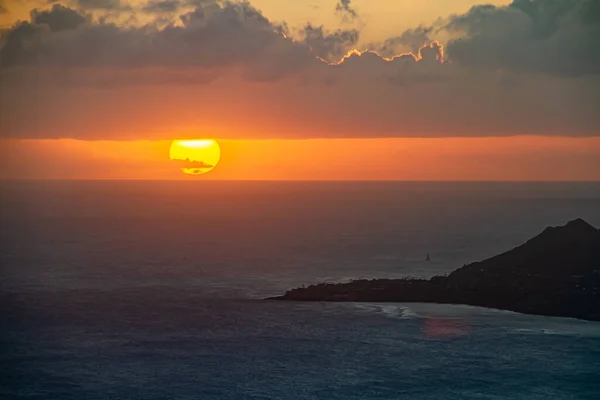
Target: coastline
pixel 556 273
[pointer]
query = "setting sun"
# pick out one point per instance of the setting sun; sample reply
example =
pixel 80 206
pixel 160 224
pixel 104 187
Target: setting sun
pixel 195 157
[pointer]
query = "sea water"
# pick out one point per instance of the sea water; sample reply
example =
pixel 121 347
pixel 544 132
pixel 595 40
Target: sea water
pixel 153 290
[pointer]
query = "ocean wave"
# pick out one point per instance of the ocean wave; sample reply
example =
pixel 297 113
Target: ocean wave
pixel 591 331
pixel 386 310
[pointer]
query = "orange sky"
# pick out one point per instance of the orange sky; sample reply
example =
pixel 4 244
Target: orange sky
pixel 511 158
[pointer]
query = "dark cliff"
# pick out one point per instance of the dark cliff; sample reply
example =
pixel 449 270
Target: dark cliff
pixel 555 273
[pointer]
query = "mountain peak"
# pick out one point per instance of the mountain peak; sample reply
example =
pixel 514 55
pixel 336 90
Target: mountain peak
pixel 575 228
pixel 579 224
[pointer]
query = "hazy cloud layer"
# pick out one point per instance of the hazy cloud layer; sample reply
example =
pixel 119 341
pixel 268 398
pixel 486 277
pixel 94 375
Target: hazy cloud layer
pixel 75 71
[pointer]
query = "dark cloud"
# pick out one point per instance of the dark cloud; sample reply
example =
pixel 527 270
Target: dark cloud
pixel 547 36
pixel 3 9
pixel 329 45
pixel 345 7
pixel 102 5
pixel 409 40
pixel 58 18
pixel 187 163
pixel 213 35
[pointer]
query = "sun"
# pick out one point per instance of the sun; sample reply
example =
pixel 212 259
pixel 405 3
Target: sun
pixel 195 157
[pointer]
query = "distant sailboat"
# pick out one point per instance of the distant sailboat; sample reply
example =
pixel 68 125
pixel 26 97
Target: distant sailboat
pixel 428 258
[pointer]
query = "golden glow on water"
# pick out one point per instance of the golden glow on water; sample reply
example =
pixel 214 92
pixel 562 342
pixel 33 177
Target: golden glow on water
pixel 195 157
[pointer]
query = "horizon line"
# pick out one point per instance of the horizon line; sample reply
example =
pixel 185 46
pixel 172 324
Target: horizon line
pixel 297 180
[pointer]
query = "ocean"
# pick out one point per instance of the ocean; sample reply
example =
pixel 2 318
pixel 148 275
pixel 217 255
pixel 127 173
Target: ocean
pixel 154 290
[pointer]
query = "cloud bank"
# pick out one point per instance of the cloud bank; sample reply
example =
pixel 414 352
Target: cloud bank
pixel 91 69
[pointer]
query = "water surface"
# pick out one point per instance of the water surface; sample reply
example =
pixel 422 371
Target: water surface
pixel 151 290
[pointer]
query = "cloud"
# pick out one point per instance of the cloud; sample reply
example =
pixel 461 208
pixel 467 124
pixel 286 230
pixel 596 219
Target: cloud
pixel 556 37
pixel 329 45
pixel 189 164
pixel 345 7
pixel 223 67
pixel 58 18
pixel 409 40
pixel 101 5
pixel 209 36
pixel 162 6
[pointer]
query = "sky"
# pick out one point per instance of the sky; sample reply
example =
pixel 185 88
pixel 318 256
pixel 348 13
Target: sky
pixel 305 89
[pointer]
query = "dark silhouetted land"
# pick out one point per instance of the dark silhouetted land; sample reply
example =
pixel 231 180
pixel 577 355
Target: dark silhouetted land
pixel 556 273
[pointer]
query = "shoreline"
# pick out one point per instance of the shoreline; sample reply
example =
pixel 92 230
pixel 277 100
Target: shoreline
pixel 555 274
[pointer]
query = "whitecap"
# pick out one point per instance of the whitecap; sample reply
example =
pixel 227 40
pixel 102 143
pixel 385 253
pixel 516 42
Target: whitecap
pixel 386 309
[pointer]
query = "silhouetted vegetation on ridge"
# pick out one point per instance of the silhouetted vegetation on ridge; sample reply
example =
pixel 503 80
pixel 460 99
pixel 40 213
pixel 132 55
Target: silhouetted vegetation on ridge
pixel 556 273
